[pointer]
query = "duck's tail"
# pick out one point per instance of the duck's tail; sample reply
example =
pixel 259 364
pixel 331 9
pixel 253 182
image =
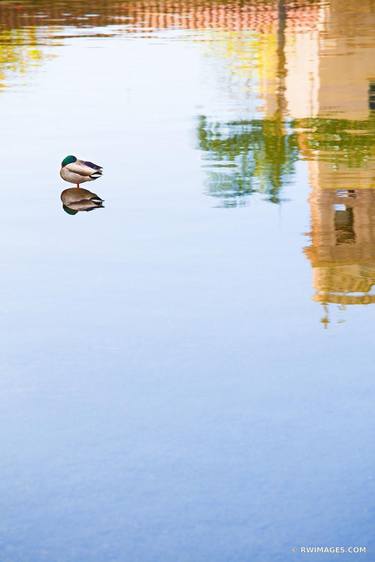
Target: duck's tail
pixel 96 175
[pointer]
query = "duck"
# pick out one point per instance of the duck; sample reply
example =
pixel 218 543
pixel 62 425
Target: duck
pixel 79 171
pixel 77 199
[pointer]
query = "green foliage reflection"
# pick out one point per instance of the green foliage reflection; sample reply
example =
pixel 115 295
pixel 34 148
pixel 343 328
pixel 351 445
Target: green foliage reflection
pixel 340 141
pixel 259 155
pixel 256 155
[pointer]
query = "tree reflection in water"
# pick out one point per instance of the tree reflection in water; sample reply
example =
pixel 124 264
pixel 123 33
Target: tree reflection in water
pixel 247 156
pixel 259 155
pixel 338 141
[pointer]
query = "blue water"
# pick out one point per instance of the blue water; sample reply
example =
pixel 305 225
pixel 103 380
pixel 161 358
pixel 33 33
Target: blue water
pixel 169 392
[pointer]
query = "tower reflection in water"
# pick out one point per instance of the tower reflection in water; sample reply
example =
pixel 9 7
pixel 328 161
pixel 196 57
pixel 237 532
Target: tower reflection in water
pixel 341 164
pixel 342 250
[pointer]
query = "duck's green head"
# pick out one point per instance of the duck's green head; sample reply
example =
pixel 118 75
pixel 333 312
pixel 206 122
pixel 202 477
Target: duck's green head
pixel 68 160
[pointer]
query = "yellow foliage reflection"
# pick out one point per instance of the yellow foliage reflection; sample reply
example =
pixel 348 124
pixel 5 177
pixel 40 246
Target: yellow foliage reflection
pixel 19 51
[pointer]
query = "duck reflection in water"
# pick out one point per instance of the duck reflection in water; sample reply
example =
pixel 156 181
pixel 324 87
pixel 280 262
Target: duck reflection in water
pixel 76 199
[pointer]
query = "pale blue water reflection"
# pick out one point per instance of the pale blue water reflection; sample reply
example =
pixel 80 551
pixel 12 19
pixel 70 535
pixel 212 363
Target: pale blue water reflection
pixel 168 389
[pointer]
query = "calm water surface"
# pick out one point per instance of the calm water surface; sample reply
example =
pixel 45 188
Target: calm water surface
pixel 188 373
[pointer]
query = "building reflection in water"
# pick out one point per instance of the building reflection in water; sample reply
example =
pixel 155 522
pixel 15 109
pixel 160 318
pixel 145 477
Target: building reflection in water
pixel 317 90
pixel 341 163
pixel 342 250
pixel 339 146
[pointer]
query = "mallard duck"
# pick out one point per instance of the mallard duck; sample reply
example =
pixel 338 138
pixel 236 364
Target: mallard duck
pixel 77 199
pixel 79 171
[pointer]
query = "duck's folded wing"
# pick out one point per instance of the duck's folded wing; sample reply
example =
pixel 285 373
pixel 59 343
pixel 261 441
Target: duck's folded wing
pixel 82 168
pixel 91 165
